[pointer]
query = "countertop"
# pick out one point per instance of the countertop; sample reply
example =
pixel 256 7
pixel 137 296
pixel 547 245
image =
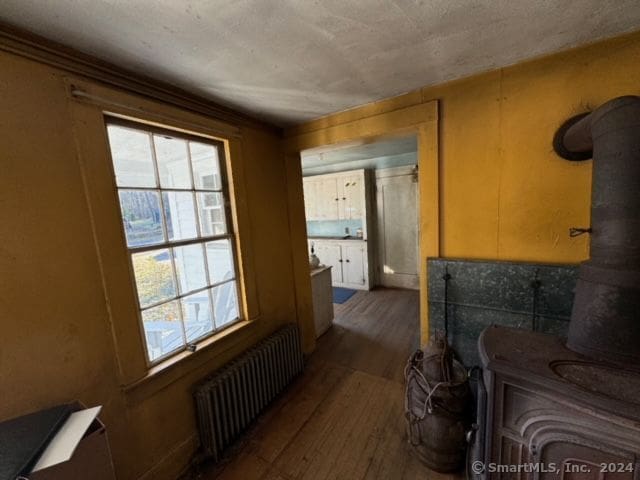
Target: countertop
pixel 320 269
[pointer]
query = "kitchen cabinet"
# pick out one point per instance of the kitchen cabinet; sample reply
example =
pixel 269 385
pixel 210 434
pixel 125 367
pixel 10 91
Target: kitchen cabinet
pixel 348 259
pixel 330 254
pixel 328 199
pixel 310 189
pixel 353 260
pixel 321 200
pixel 351 196
pixel 337 196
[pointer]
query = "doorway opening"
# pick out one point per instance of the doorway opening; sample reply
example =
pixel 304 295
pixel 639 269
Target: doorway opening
pixel 361 208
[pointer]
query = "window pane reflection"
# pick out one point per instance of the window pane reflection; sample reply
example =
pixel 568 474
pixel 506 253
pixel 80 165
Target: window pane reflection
pixel 141 217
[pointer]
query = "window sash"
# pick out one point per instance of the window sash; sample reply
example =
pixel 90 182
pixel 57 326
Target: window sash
pixel 170 245
pixel 186 294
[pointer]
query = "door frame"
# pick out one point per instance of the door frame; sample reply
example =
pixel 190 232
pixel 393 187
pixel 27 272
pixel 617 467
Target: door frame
pixel 388 118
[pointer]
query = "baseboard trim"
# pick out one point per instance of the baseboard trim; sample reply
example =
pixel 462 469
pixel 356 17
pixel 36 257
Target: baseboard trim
pixel 175 462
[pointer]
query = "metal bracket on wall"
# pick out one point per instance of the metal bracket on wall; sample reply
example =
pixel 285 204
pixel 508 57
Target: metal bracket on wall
pixel 446 277
pixel 576 232
pixel 536 284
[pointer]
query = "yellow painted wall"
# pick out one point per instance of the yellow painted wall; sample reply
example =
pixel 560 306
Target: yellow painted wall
pixel 56 343
pixel 503 193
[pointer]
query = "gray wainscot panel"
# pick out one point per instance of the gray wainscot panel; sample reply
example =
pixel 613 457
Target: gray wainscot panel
pixel 486 292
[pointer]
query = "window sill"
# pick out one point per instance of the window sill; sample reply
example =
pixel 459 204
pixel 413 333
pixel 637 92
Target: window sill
pixel 173 369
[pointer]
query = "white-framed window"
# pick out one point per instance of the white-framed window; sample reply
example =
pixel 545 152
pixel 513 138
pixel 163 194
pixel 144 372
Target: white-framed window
pixel 175 209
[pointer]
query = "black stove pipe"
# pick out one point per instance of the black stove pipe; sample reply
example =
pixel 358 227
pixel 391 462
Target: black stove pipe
pixel 605 321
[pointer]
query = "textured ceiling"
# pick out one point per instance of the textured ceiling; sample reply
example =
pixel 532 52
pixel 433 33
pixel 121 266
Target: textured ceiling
pixel 288 61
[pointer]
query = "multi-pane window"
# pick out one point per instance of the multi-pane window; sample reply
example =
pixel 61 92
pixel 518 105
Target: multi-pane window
pixel 173 200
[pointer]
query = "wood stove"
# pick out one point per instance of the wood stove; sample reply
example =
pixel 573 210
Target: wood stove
pixel 550 406
pixel 572 410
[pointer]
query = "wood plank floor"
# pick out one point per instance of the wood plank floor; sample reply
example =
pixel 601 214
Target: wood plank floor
pixel 343 418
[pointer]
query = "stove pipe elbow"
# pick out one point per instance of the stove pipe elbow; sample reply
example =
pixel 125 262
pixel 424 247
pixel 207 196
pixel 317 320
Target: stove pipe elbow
pixel 605 321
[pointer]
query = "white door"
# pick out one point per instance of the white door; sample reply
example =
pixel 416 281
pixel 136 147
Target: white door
pixel 353 263
pixel 329 254
pixel 397 214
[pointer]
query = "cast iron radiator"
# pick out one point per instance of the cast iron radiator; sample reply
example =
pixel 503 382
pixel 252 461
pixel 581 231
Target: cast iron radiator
pixel 230 399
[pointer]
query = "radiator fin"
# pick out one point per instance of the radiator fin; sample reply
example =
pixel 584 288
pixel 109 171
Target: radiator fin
pixel 232 397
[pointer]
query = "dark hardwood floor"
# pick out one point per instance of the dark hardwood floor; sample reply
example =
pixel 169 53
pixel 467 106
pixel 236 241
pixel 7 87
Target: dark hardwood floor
pixel 343 418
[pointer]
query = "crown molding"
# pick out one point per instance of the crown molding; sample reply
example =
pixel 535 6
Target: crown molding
pixel 26 44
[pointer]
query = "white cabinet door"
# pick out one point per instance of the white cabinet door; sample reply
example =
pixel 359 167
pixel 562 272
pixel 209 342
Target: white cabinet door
pixel 327 199
pixel 330 254
pixel 353 263
pixel 352 196
pixel 320 198
pixel 311 202
pixel 335 197
pixel 348 260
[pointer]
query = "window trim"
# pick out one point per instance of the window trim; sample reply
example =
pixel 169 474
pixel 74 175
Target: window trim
pixel 90 145
pixel 230 235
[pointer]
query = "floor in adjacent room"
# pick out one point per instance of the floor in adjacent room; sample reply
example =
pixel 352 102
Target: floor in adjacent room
pixel 343 418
